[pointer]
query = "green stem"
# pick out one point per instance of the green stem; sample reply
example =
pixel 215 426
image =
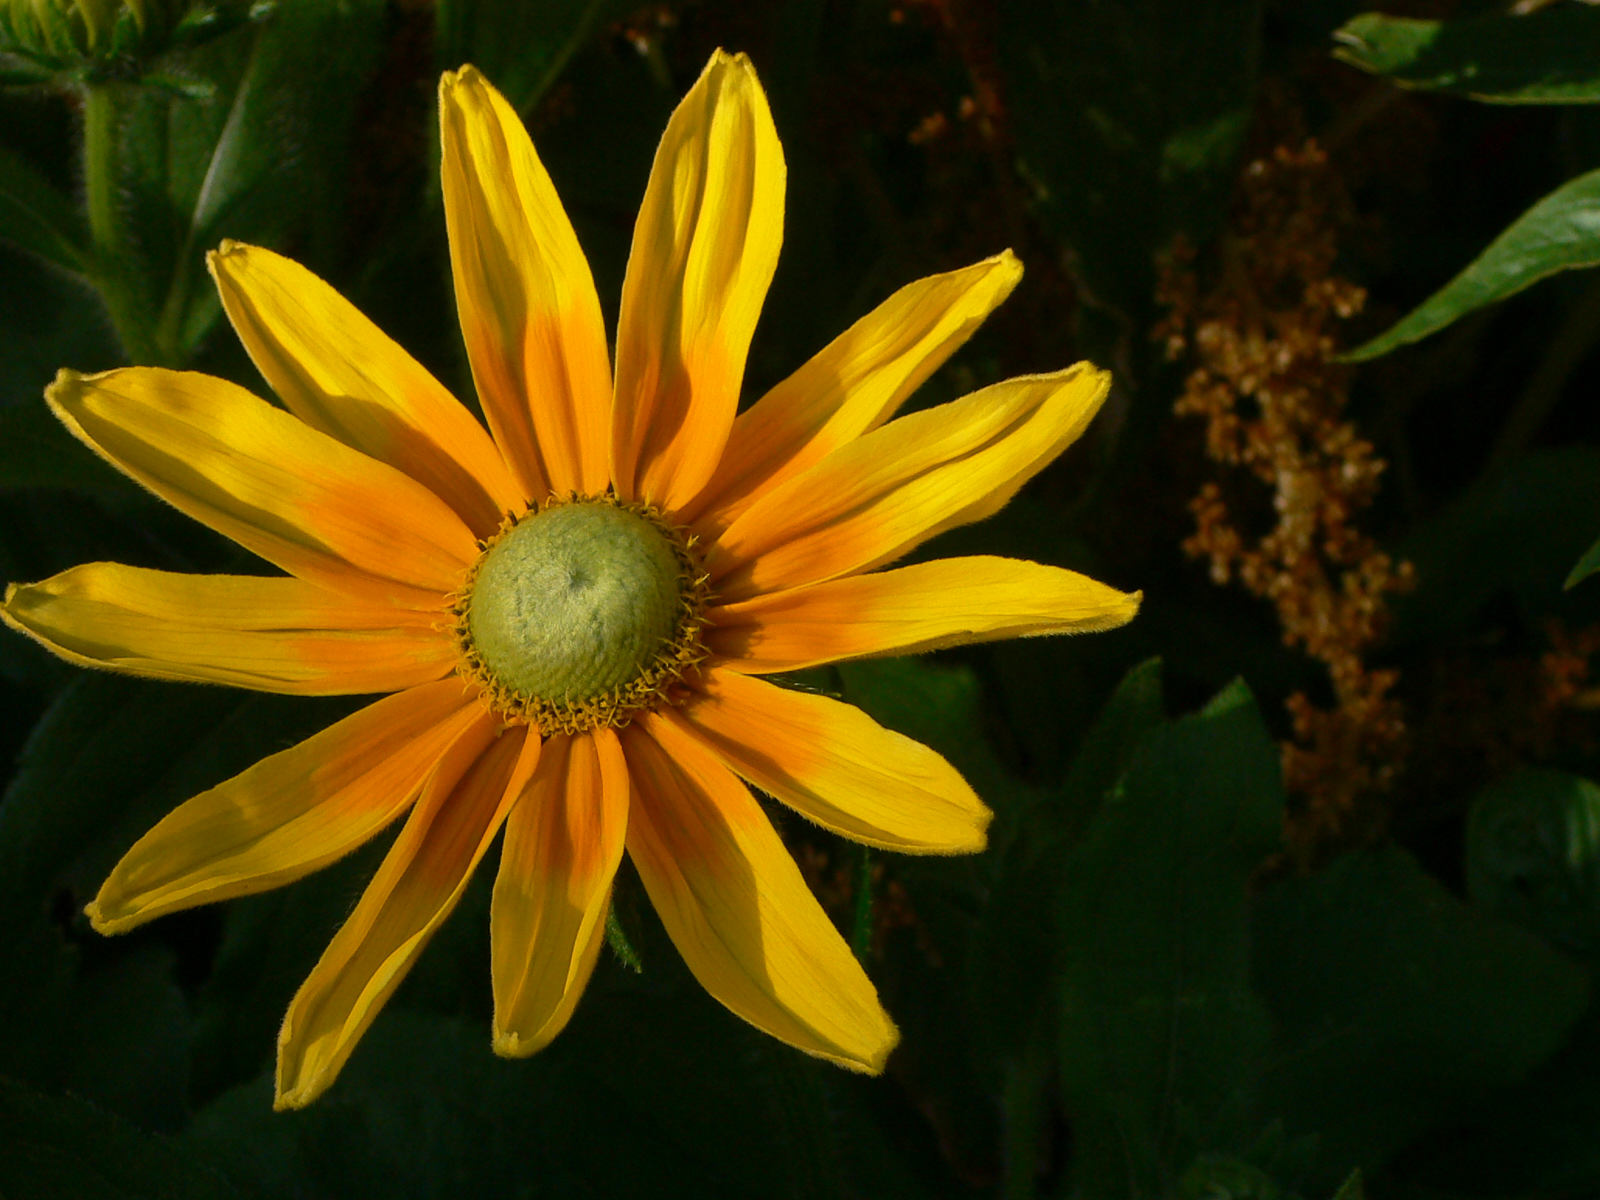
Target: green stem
pixel 107 228
pixel 100 166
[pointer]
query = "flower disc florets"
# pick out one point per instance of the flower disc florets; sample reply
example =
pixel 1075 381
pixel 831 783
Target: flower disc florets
pixel 581 612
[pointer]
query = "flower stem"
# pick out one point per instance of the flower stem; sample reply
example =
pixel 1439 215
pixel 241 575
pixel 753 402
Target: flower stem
pixel 107 226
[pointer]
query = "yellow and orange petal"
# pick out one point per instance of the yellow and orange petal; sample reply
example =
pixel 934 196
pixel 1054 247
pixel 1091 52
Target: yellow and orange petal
pixel 736 907
pixel 564 840
pixel 267 634
pixel 290 814
pixel 890 490
pixel 266 479
pixel 458 814
pixel 852 385
pixel 704 250
pixel 529 313
pixel 929 606
pixel 342 375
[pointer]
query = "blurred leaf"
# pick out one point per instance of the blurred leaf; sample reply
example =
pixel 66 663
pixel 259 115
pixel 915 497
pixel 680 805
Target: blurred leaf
pixel 1161 1036
pixel 269 944
pixel 52 1147
pixel 1511 532
pixel 1015 958
pixel 1396 1005
pixel 1352 1188
pixel 521 45
pixel 1534 1138
pixel 1131 118
pixel 1559 233
pixel 1214 1177
pixel 923 973
pixel 110 757
pixel 36 217
pixel 48 320
pixel 1540 58
pixel 266 155
pixel 1587 566
pixel 1533 856
pixel 128 1035
pixel 36 451
pixel 670 1099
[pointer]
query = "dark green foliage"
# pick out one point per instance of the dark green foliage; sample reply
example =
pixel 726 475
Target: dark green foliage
pixel 1546 58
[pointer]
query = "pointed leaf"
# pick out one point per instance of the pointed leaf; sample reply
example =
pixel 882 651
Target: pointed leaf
pixel 1540 58
pixel 1560 233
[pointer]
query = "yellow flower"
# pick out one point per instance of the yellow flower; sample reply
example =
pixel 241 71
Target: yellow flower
pixel 573 609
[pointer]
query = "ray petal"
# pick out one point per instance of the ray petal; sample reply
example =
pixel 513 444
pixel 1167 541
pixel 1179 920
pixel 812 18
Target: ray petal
pixel 527 302
pixel 853 385
pixel 888 491
pixel 704 250
pixel 268 634
pixel 266 479
pixel 564 839
pixel 291 813
pixel 832 763
pixel 421 879
pixel 948 602
pixel 341 374
pixel 736 906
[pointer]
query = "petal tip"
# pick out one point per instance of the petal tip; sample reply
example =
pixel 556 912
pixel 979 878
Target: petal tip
pixel 873 1062
pixel 512 1045
pixel 65 378
pixel 464 76
pixel 1008 263
pixel 108 926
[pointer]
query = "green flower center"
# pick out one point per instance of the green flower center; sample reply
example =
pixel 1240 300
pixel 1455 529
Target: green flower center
pixel 581 613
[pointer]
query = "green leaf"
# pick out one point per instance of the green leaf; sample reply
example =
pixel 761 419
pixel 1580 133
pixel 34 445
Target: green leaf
pixel 1559 233
pixel 109 758
pixel 521 45
pixel 1130 117
pixel 1541 58
pixel 1586 566
pixel 36 451
pixel 59 1146
pixel 1161 1036
pixel 1512 533
pixel 1017 939
pixel 655 1095
pixel 1533 856
pixel 1396 1004
pixel 38 218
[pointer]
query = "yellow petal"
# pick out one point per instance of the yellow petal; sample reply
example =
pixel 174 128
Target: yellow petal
pixel 835 765
pixel 736 907
pixel 290 814
pixel 888 491
pixel 949 602
pixel 341 374
pixel 854 384
pixel 269 634
pixel 266 479
pixel 563 843
pixel 422 877
pixel 704 249
pixel 528 308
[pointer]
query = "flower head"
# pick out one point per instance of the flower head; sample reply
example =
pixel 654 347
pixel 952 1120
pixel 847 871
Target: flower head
pixel 573 609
